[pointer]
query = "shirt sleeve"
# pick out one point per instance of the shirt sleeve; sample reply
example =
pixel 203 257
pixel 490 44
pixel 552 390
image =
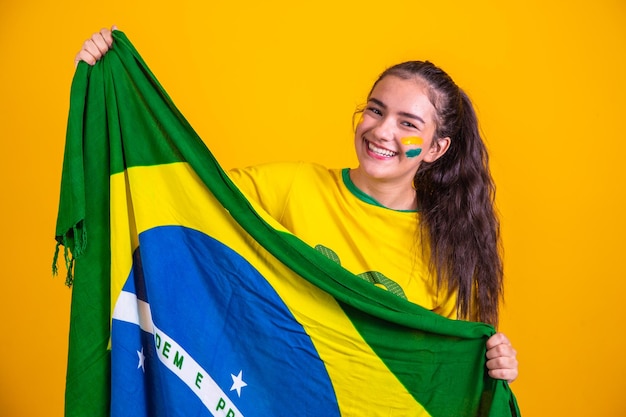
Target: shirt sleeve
pixel 269 185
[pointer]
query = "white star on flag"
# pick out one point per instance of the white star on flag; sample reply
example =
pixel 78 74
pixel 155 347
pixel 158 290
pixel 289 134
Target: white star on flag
pixel 142 358
pixel 238 383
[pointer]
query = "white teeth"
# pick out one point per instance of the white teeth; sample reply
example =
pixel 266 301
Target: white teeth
pixel 380 151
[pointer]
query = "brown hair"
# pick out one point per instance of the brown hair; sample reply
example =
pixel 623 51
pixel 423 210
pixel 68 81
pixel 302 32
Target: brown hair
pixel 455 196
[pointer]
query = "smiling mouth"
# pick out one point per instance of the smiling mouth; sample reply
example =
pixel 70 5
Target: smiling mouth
pixel 386 153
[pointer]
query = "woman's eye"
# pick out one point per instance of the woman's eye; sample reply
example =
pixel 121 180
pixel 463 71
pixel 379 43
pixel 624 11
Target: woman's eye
pixel 409 124
pixel 374 110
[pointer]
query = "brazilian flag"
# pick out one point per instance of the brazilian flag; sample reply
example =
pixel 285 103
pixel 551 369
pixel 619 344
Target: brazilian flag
pixel 189 300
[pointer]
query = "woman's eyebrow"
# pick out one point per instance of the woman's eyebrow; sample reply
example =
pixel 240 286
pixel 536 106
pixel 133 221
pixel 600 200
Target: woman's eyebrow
pixel 402 113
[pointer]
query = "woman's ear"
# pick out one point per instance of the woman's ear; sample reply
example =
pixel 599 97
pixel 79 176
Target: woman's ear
pixel 437 149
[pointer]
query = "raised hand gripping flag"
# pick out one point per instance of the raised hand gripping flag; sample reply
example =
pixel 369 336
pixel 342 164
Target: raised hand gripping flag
pixel 189 300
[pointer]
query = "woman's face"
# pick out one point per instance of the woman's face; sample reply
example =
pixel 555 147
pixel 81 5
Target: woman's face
pixel 395 132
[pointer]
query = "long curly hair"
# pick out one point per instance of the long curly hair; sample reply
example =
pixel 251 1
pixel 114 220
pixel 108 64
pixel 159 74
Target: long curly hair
pixel 455 195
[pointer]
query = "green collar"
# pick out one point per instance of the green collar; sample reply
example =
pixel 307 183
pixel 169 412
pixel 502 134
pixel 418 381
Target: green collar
pixel 345 175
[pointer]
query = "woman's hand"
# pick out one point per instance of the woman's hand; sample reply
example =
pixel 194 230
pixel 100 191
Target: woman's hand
pixel 501 358
pixel 95 47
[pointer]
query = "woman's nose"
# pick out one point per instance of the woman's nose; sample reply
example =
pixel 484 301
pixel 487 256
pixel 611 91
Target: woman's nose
pixel 384 129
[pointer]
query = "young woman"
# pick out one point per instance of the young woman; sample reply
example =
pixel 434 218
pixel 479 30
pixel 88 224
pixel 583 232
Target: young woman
pixel 416 215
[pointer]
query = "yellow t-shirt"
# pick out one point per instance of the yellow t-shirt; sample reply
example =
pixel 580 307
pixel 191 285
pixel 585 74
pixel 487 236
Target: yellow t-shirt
pixel 324 209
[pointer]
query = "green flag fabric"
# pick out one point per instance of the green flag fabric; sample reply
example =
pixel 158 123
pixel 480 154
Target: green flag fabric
pixel 188 299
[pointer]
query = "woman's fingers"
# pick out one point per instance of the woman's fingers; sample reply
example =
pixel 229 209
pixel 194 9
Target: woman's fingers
pixel 95 47
pixel 501 358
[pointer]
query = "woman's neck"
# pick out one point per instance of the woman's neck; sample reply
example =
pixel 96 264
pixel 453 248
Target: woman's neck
pixel 396 195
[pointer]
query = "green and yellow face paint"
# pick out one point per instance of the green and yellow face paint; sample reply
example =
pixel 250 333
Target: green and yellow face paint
pixel 412 140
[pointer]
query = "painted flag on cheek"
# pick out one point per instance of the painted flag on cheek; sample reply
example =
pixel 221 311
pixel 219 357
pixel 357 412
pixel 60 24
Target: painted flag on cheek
pixel 188 299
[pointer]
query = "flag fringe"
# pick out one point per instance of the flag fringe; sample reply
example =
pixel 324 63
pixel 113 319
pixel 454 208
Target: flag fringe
pixel 74 243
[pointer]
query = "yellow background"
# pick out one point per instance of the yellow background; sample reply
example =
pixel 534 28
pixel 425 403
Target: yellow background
pixel 275 80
